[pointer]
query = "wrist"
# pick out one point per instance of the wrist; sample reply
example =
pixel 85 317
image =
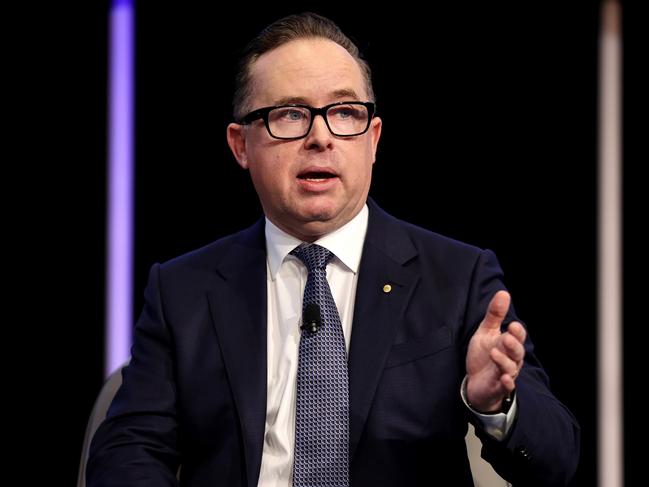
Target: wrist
pixel 498 407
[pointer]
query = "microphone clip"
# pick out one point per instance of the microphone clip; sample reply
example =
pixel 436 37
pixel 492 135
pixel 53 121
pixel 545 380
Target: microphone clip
pixel 311 319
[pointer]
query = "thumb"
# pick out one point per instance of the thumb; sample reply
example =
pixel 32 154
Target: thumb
pixel 496 311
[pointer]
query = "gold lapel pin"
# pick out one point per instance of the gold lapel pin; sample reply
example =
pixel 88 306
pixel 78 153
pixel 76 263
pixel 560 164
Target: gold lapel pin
pixel 387 288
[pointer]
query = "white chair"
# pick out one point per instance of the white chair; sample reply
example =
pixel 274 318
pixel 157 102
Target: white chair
pixel 483 473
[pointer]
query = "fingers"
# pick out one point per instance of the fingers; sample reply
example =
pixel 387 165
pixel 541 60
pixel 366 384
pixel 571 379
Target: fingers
pixel 511 342
pixel 496 311
pixel 509 354
pixel 508 382
pixel 505 350
pixel 517 330
pixel 504 363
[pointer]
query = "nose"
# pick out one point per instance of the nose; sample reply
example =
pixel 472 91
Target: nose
pixel 319 137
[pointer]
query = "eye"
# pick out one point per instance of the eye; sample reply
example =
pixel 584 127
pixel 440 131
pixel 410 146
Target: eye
pixel 294 115
pixel 290 114
pixel 346 112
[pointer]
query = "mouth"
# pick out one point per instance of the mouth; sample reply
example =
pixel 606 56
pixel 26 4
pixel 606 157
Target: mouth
pixel 317 174
pixel 317 180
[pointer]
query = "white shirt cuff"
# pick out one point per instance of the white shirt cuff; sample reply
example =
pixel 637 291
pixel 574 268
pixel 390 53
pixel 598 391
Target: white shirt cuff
pixel 495 425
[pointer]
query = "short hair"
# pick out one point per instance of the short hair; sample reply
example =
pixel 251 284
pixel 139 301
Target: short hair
pixel 300 26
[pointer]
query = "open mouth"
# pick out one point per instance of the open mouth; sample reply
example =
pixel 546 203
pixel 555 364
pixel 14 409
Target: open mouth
pixel 316 175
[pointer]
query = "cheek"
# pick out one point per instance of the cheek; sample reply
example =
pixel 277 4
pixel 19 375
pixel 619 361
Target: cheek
pixel 269 175
pixel 363 169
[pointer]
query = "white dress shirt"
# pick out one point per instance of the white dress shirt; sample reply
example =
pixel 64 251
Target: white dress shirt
pixel 286 278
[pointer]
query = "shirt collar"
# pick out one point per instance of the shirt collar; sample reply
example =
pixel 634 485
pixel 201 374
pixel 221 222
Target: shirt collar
pixel 346 243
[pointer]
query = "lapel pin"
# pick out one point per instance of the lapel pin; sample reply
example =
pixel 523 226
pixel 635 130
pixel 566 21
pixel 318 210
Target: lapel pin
pixel 387 288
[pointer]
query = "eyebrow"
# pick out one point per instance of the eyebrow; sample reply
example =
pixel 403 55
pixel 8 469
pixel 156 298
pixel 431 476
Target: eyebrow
pixel 348 94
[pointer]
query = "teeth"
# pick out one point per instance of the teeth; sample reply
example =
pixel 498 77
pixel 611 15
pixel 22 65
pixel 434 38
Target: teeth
pixel 315 179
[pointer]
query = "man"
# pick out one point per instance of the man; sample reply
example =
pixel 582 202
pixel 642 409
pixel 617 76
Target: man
pixel 252 365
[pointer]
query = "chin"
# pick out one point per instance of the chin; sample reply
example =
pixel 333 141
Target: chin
pixel 319 217
pixel 316 209
pixel 319 213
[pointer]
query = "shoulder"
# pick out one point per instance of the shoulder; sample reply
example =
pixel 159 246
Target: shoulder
pixel 429 239
pixel 219 253
pixel 394 232
pixel 427 252
pixel 448 255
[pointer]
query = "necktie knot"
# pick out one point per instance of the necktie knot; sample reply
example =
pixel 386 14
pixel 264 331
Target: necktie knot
pixel 313 256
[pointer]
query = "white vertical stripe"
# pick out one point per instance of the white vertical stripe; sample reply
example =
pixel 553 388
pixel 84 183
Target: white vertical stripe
pixel 610 419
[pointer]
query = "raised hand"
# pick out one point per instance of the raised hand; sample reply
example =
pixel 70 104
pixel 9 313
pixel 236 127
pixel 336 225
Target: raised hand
pixel 494 359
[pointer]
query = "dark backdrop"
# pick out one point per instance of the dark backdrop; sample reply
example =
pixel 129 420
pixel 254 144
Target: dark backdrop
pixel 489 137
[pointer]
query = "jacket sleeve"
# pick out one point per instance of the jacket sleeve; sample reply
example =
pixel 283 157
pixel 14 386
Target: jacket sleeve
pixel 542 446
pixel 137 443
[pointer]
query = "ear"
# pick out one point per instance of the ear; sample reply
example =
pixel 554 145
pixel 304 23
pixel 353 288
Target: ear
pixel 375 134
pixel 237 141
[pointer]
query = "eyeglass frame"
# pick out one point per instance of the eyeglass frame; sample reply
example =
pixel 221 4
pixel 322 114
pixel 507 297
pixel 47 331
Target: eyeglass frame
pixel 322 111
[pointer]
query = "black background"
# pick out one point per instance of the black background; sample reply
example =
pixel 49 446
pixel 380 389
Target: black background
pixel 490 136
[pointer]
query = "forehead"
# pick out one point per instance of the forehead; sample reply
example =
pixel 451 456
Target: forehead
pixel 314 70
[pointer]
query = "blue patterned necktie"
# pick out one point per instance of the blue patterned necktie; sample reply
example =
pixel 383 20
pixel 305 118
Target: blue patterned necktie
pixel 322 406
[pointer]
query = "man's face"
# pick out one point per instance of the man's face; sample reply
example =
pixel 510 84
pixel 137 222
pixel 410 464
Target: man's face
pixel 314 185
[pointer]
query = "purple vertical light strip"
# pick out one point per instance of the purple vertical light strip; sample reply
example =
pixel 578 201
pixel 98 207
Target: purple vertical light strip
pixel 119 265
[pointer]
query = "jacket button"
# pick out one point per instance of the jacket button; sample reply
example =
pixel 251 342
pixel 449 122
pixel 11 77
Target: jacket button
pixel 523 453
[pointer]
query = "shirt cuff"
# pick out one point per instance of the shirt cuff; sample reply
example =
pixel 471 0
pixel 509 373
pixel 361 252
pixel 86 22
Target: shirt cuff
pixel 495 425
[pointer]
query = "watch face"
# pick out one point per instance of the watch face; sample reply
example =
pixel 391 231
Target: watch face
pixel 507 402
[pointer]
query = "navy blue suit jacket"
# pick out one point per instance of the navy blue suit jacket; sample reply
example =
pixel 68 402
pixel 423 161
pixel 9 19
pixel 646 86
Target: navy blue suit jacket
pixel 194 393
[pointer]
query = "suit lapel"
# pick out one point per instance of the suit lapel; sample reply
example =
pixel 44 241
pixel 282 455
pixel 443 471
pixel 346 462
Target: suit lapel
pixel 238 307
pixel 238 304
pixel 377 311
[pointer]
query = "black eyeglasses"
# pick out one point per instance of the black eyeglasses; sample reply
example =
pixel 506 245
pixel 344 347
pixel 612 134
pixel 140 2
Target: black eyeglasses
pixel 343 119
